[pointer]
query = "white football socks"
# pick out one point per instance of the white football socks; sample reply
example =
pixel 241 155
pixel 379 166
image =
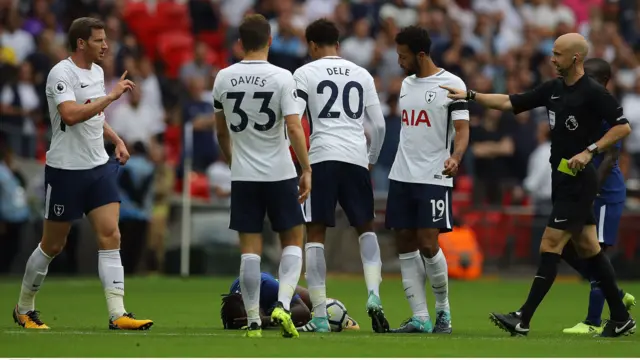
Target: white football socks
pixel 414 278
pixel 316 267
pixel 437 271
pixel 34 274
pixel 289 274
pixel 371 263
pixel 250 286
pixel 111 274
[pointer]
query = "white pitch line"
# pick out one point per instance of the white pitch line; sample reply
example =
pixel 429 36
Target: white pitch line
pixel 237 334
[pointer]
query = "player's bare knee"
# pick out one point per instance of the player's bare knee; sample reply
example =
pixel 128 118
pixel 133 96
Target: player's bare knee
pixel 292 237
pixel 109 238
pixel 554 240
pixel 406 241
pixel 251 243
pixel 364 228
pixel 316 233
pixel 53 246
pixel 428 242
pixel 54 237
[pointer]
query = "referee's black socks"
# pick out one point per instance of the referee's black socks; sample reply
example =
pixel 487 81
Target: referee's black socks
pixel 602 271
pixel 546 275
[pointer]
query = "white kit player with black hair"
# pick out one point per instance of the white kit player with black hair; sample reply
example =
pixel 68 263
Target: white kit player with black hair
pixel 419 199
pixel 253 101
pixel 337 95
pixel 80 179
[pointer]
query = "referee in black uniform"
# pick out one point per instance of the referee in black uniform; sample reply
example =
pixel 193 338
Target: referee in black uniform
pixel 576 106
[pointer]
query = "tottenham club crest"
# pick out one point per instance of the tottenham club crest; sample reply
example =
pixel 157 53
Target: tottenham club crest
pixel 571 123
pixel 430 96
pixel 58 209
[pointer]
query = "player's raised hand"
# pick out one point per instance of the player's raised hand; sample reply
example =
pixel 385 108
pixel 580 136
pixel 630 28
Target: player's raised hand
pixel 456 94
pixel 305 186
pixel 450 167
pixel 121 87
pixel 122 154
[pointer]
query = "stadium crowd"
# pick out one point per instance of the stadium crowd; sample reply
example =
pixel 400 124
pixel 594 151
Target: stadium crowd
pixel 173 50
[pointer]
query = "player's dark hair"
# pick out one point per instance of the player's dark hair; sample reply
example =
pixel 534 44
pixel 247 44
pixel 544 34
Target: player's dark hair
pixel 598 69
pixel 416 38
pixel 232 309
pixel 81 28
pixel 322 32
pixel 254 32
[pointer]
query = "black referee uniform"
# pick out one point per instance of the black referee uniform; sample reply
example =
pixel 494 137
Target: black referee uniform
pixel 575 118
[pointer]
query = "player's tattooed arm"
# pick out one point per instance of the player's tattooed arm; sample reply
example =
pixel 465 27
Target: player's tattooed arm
pixel 222 133
pixel 610 158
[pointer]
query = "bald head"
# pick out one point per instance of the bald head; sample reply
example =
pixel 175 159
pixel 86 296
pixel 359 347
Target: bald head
pixel 572 44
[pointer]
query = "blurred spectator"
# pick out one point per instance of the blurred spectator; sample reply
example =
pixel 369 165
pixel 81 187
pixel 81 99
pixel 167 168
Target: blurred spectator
pixel 21 109
pixel 163 184
pixel 200 114
pixel 491 145
pixel 219 175
pixel 287 47
pixel 361 48
pixel 135 121
pixel 198 66
pixel 136 194
pixel 631 106
pixel 20 41
pixel 14 210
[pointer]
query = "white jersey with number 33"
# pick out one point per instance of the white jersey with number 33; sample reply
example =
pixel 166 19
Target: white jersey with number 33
pixel 81 146
pixel 255 96
pixel 427 128
pixel 336 92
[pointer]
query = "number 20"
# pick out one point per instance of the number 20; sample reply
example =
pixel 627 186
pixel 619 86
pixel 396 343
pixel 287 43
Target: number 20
pixel 437 206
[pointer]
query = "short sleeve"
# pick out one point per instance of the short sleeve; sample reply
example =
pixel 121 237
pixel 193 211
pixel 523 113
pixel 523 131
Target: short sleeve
pixel 60 85
pixel 370 92
pixel 459 109
pixel 216 93
pixel 289 97
pixel 531 99
pixel 302 90
pixel 608 108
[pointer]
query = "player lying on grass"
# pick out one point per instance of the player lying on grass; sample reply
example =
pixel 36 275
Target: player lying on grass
pixel 234 315
pixel 607 209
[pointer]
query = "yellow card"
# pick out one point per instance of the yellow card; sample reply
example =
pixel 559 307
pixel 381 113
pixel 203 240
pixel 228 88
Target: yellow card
pixel 564 168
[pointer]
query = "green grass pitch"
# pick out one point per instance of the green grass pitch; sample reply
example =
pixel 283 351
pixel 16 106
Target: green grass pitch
pixel 187 323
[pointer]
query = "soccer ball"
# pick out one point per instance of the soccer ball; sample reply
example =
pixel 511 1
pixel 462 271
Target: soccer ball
pixel 337 313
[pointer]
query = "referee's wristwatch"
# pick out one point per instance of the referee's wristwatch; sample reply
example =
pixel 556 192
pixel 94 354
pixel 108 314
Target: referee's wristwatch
pixel 471 95
pixel 593 149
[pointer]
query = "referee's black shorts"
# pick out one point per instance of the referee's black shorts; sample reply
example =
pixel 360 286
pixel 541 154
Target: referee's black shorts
pixel 572 198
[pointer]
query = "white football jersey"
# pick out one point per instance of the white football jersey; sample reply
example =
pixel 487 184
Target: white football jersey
pixel 427 128
pixel 80 146
pixel 255 96
pixel 336 92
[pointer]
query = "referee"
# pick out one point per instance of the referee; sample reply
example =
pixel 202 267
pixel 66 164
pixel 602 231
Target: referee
pixel 576 105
